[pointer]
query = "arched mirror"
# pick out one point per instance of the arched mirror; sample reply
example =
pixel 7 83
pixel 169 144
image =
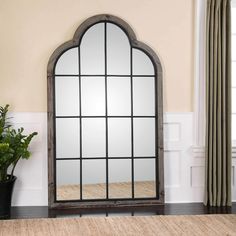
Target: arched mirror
pixel 105 118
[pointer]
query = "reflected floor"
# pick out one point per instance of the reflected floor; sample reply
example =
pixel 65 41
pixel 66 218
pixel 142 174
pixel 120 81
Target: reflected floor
pixel 142 189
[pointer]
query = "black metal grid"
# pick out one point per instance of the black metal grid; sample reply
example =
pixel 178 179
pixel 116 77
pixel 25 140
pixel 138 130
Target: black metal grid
pixel 80 116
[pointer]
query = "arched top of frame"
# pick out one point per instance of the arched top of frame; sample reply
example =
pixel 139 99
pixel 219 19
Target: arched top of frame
pixel 70 48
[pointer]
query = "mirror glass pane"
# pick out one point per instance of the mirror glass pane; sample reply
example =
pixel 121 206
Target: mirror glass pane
pixel 142 65
pixel 144 137
pixel 67 96
pixel 93 96
pixel 68 63
pixel 118 96
pixel 144 96
pixel 92 51
pixel 93 137
pixel 120 178
pixel 118 51
pixel 119 133
pixel 94 179
pixel 144 178
pixel 67 138
pixel 68 179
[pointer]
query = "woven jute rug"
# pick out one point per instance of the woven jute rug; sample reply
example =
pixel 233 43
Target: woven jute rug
pixel 125 225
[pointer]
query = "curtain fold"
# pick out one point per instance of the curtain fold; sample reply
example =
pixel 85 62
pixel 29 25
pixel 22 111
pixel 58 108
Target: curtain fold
pixel 218 103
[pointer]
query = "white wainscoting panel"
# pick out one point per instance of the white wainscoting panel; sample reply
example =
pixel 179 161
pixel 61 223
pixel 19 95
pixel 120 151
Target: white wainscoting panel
pixel 178 158
pixel 31 184
pixel 172 169
pixel 184 169
pixel 197 176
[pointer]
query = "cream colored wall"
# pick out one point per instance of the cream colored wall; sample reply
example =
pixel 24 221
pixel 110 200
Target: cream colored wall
pixel 32 29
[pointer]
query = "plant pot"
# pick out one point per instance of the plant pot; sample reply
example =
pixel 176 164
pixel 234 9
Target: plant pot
pixel 6 189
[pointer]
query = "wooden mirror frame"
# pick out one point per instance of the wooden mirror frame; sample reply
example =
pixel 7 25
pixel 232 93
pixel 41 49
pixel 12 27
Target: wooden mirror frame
pixel 51 114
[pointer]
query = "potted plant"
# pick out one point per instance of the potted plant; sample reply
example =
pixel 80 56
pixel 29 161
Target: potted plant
pixel 13 146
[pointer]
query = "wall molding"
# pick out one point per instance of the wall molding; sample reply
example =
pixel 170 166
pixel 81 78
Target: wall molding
pixel 199 78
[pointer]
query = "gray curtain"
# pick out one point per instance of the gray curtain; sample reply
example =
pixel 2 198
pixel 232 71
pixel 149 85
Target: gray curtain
pixel 218 103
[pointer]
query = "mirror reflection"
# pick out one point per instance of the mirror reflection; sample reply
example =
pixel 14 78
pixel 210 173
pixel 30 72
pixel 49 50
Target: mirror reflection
pixel 119 133
pixel 93 137
pixel 93 96
pixel 142 65
pixel 118 51
pixel 68 181
pixel 67 96
pixel 105 136
pixel 118 96
pixel 120 179
pixel 144 96
pixel 94 179
pixel 144 178
pixel 68 63
pixel 144 137
pixel 92 52
pixel 67 138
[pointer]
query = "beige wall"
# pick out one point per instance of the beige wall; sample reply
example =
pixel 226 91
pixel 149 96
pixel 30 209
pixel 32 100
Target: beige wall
pixel 32 29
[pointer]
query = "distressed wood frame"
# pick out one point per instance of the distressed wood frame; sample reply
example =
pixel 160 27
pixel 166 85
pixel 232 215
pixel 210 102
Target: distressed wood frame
pixel 51 124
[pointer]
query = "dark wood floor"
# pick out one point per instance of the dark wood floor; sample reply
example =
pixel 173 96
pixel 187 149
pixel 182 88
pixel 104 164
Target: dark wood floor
pixel 167 209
